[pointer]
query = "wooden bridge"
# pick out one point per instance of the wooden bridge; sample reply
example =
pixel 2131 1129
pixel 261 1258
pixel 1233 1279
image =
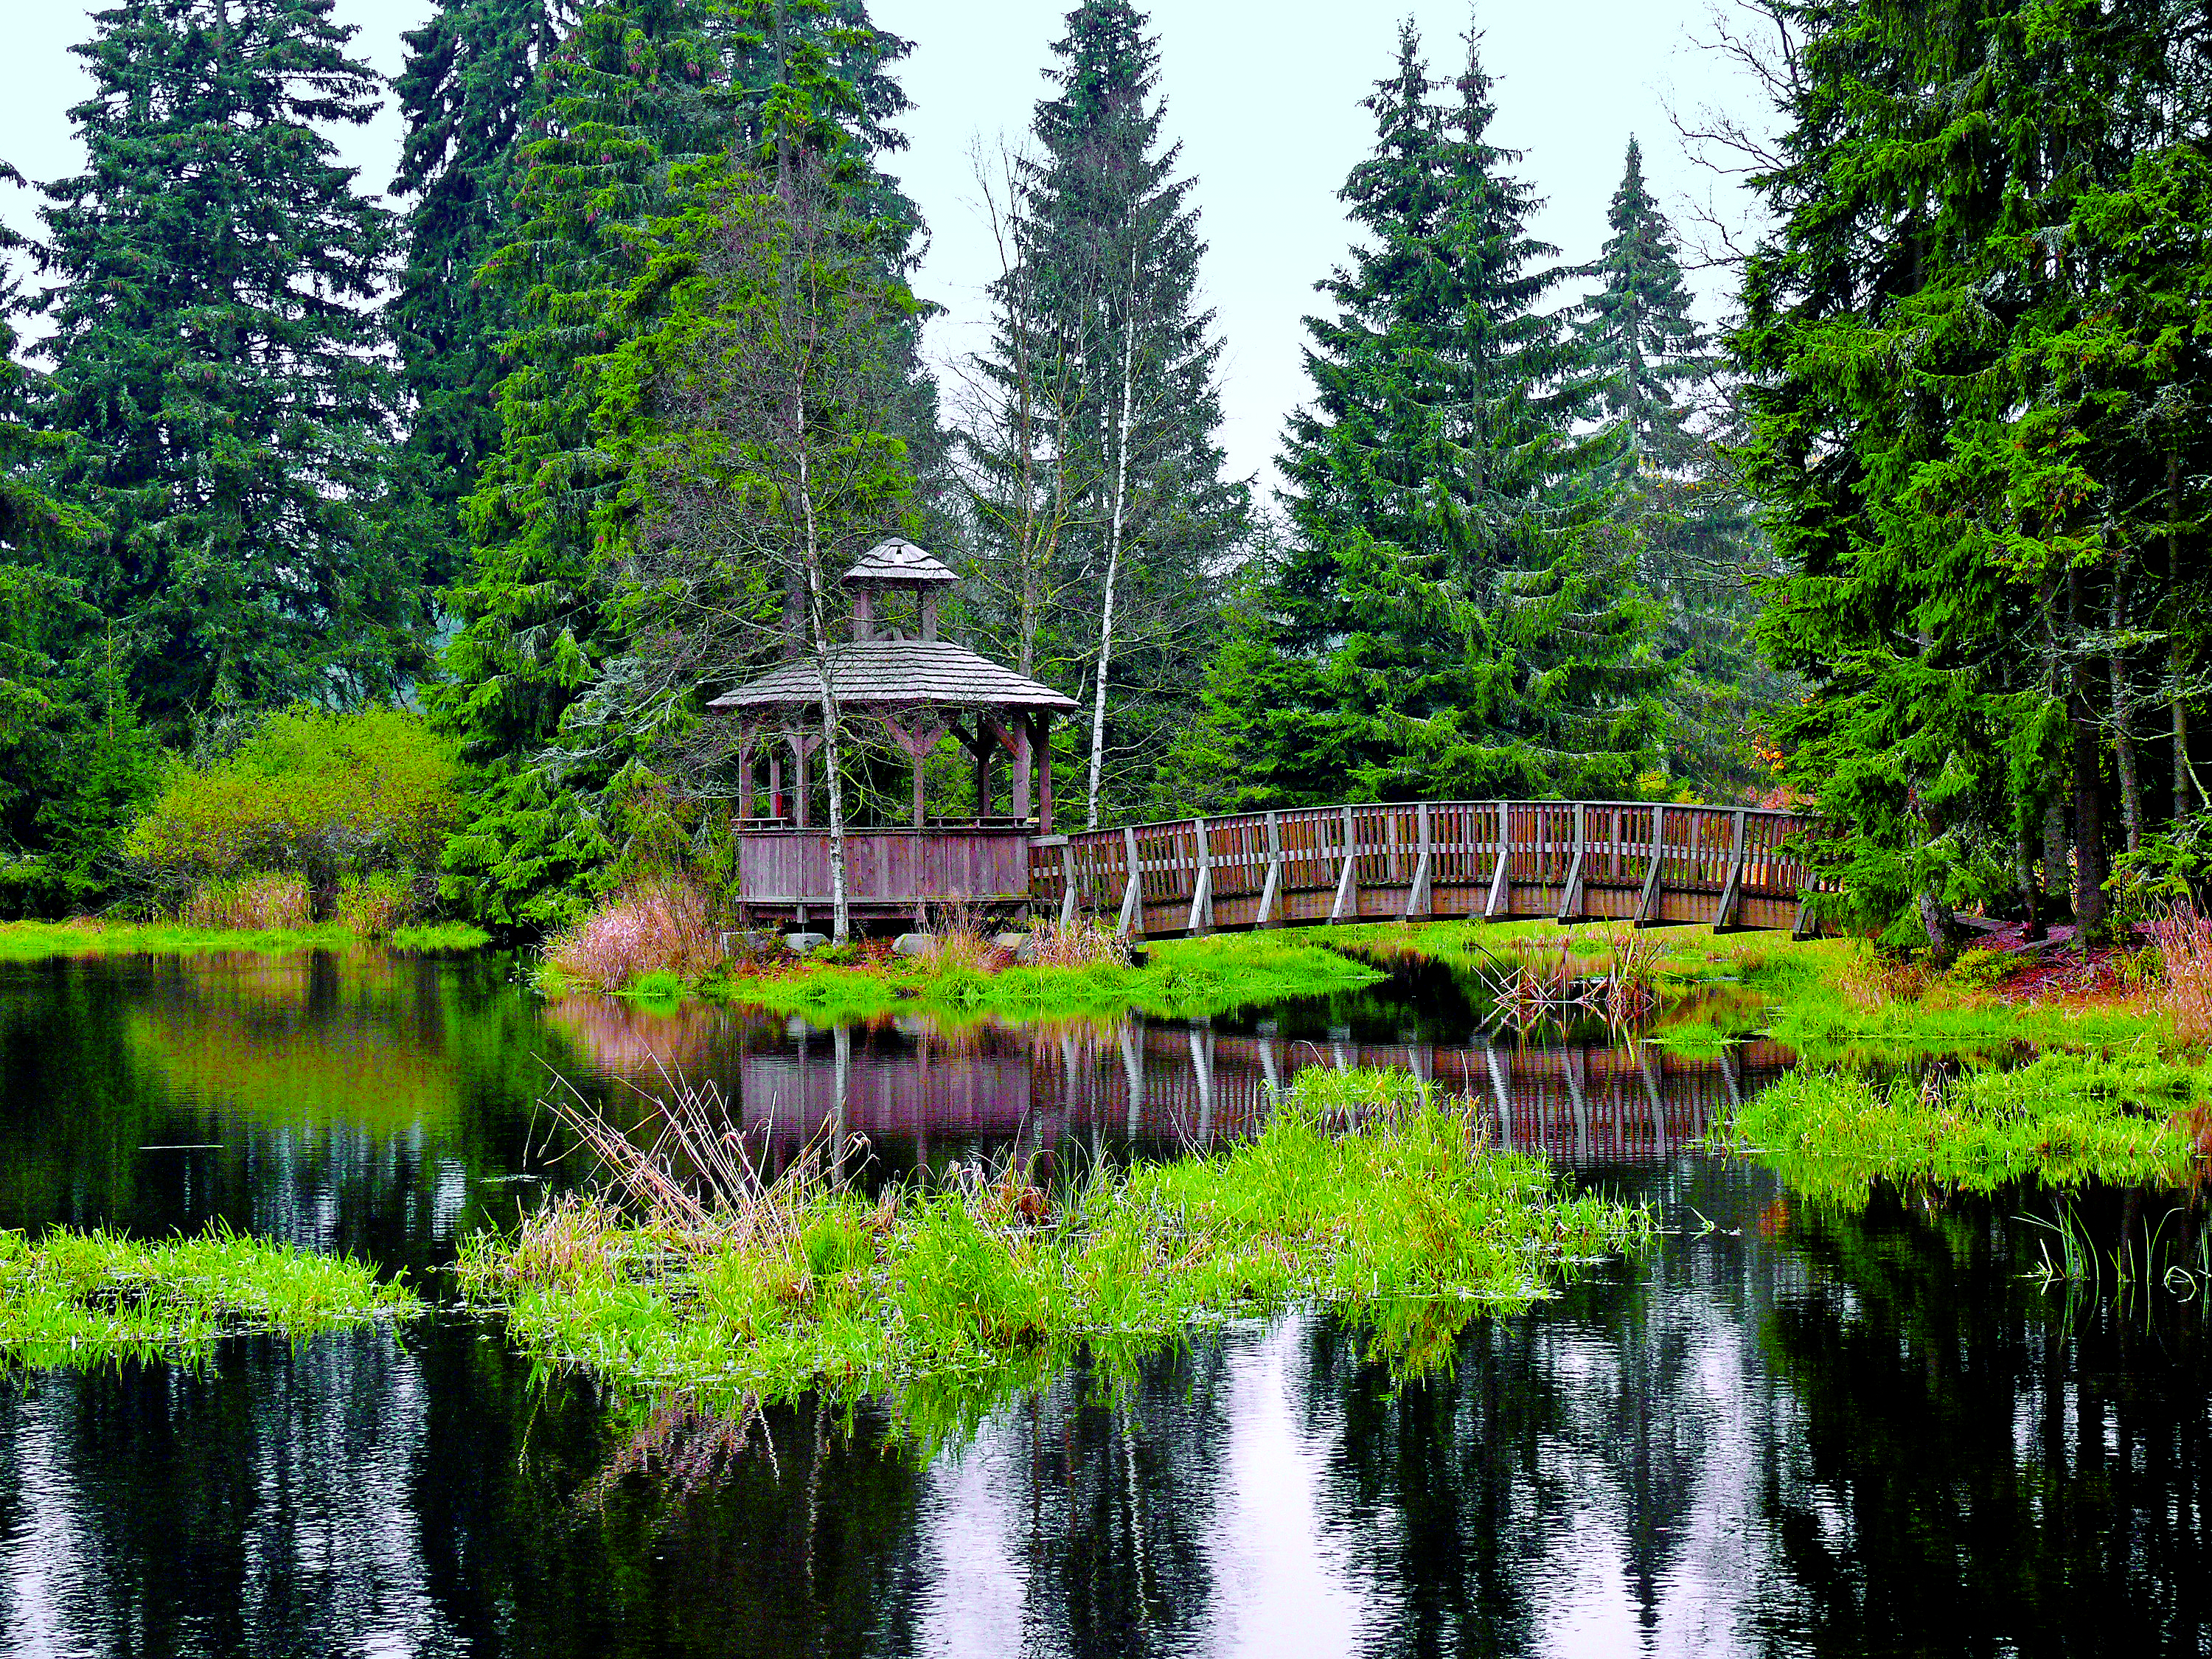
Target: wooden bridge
pixel 1161 1089
pixel 1639 861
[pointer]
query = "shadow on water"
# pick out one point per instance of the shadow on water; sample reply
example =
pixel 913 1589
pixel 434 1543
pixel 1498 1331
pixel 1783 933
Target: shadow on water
pixel 1791 1430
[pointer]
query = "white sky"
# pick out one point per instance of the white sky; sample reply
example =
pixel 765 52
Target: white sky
pixel 1262 93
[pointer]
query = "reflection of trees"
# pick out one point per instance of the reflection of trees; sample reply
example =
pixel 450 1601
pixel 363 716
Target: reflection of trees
pixel 355 1104
pixel 1984 1466
pixel 1579 1465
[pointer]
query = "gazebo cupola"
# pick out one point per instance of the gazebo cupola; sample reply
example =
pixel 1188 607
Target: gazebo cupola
pixel 918 691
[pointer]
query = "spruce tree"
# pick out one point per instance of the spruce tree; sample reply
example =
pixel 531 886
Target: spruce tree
pixel 1641 342
pixel 1103 307
pixel 1972 436
pixel 537 678
pixel 74 762
pixel 213 351
pixel 1680 499
pixel 1454 614
pixel 469 93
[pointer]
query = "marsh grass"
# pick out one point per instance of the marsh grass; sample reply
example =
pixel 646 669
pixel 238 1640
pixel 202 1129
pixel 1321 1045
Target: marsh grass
pixel 1180 979
pixel 35 941
pixel 262 901
pixel 85 1298
pixel 1363 1193
pixel 2063 1119
pixel 2184 976
pixel 660 925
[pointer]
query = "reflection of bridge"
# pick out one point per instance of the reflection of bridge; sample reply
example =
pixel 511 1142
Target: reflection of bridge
pixel 1573 860
pixel 1189 1085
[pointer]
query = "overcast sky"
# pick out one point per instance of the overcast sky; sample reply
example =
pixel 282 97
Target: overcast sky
pixel 1263 95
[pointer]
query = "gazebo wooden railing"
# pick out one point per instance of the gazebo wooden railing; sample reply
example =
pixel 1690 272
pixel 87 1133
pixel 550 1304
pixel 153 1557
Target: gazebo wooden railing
pixel 1640 861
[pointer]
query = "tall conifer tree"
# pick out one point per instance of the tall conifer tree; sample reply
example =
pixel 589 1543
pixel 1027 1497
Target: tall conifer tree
pixel 1643 344
pixel 1452 616
pixel 1103 308
pixel 469 94
pixel 214 349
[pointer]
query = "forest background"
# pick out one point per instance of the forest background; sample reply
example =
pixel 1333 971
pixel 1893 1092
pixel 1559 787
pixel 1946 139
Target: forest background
pixel 586 428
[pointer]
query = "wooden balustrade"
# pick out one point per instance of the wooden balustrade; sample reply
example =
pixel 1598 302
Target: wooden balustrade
pixel 1640 861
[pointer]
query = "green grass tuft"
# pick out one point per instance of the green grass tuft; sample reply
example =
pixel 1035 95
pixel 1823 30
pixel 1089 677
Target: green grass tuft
pixel 84 1298
pixel 1363 1193
pixel 34 941
pixel 2063 1120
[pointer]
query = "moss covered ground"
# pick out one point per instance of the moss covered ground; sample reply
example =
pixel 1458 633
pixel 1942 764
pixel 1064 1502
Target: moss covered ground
pixel 74 1298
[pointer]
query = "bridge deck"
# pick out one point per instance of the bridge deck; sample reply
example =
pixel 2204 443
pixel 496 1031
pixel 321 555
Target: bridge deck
pixel 1732 866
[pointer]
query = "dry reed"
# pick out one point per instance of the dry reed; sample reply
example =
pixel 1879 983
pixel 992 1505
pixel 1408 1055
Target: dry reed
pixel 2185 945
pixel 1083 942
pixel 265 900
pixel 665 925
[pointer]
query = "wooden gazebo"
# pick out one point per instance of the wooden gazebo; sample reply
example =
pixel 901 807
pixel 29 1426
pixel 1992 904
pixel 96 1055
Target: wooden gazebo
pixel 919 690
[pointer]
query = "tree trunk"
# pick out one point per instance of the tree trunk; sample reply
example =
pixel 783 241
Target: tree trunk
pixel 1114 540
pixel 2089 870
pixel 2031 892
pixel 2057 844
pixel 2184 793
pixel 2124 742
pixel 832 735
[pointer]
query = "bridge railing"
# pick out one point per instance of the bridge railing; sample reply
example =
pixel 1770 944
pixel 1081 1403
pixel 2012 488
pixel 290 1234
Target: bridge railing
pixel 1642 861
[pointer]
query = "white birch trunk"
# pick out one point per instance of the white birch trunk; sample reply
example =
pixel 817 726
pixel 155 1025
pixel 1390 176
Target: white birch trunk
pixel 1114 540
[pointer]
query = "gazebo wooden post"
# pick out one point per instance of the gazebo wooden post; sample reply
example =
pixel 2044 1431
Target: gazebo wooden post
pixel 983 747
pixel 1020 734
pixel 744 771
pixel 775 803
pixel 1040 735
pixel 798 779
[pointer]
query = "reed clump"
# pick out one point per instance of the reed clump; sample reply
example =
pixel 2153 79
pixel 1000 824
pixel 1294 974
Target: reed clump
pixel 658 925
pixel 1364 1192
pixel 1080 942
pixel 263 900
pixel 2185 977
pixel 82 1298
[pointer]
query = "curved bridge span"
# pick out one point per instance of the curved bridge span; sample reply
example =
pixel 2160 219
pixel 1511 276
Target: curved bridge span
pixel 1639 861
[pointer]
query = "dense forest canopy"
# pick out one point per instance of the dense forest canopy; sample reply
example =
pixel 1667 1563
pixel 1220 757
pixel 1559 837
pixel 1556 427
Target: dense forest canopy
pixel 588 426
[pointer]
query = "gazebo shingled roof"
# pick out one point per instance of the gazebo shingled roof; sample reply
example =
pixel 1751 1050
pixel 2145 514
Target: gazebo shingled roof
pixel 897 673
pixel 897 562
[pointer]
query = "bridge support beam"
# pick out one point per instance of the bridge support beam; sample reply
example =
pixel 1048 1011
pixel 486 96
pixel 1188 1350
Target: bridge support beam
pixel 1344 894
pixel 1731 902
pixel 1273 890
pixel 1647 907
pixel 1416 896
pixel 1494 906
pixel 1201 888
pixel 1132 924
pixel 1571 896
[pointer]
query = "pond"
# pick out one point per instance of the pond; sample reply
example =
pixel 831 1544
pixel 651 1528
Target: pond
pixel 1787 1431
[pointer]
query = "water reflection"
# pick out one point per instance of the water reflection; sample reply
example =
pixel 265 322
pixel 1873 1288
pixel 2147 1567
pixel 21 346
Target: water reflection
pixel 1792 1435
pixel 915 1089
pixel 1795 1432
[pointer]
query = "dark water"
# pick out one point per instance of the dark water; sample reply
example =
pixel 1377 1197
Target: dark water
pixel 1787 1433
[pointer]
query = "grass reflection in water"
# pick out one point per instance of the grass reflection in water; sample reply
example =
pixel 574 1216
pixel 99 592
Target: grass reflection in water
pixel 1363 1193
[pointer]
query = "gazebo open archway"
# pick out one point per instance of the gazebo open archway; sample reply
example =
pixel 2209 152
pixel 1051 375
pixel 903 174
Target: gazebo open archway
pixel 919 691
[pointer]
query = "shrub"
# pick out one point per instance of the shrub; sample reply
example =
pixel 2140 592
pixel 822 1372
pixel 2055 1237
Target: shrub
pixel 264 900
pixel 1982 970
pixel 373 906
pixel 326 794
pixel 662 924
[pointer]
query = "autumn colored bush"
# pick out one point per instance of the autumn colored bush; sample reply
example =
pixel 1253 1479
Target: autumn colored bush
pixel 656 925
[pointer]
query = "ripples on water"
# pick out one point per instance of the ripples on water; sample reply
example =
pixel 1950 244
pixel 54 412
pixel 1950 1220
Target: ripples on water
pixel 1792 1433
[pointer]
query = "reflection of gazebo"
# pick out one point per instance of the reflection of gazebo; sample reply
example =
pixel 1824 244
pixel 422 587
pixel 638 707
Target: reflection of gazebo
pixel 918 690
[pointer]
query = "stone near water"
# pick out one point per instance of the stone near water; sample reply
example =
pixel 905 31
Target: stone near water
pixel 913 945
pixel 1012 942
pixel 800 945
